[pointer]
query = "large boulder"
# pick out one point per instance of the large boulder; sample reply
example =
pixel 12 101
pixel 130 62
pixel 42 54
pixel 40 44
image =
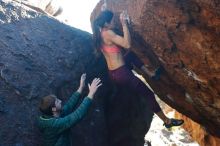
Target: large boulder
pixel 41 56
pixel 184 38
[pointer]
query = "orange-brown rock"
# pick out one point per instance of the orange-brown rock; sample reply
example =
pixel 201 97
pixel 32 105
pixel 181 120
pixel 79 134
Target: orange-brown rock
pixel 183 37
pixel 198 132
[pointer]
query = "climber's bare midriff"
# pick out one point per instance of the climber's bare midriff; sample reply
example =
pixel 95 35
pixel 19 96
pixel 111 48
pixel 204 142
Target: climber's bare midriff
pixel 114 60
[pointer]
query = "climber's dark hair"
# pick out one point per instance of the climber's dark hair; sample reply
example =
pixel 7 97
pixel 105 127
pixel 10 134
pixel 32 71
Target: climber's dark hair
pixel 103 18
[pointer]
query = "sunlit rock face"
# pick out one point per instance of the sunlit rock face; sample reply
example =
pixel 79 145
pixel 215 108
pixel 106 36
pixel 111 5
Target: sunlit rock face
pixel 184 38
pixel 51 7
pixel 198 132
pixel 41 56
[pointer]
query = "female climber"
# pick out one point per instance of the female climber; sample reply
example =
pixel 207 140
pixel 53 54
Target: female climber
pixel 110 44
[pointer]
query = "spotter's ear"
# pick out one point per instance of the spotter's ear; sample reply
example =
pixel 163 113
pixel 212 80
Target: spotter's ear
pixel 54 109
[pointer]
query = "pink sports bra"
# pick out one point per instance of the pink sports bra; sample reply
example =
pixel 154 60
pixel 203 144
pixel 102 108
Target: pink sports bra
pixel 111 49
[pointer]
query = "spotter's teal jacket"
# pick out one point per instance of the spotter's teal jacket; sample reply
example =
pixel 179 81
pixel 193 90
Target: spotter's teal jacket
pixel 56 130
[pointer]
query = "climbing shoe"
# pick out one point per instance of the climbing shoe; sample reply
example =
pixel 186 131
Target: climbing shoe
pixel 174 122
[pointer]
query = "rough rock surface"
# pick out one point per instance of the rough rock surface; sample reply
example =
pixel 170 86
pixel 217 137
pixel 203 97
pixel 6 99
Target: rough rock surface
pixel 198 132
pixel 184 38
pixel 40 56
